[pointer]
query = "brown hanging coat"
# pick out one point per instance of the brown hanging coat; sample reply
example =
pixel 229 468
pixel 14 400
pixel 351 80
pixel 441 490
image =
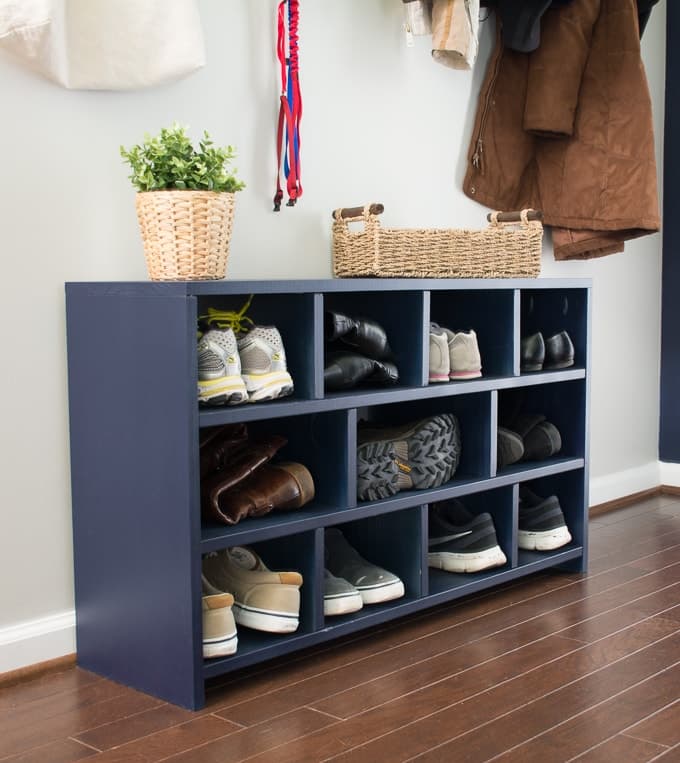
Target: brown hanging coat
pixel 568 130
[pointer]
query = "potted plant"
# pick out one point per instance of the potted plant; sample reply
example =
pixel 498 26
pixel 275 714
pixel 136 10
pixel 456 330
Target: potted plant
pixel 185 204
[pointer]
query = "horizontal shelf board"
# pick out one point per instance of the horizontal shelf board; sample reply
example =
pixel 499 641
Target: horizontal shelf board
pixel 532 470
pixel 363 398
pixel 445 586
pixel 255 646
pixel 313 285
pixel 282 523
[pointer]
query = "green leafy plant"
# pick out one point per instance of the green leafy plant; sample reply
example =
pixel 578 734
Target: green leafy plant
pixel 169 161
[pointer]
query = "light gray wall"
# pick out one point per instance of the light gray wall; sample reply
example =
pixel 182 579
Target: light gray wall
pixel 381 122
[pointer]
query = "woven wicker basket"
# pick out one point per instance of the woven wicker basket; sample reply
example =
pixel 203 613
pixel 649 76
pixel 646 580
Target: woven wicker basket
pixel 502 250
pixel 185 233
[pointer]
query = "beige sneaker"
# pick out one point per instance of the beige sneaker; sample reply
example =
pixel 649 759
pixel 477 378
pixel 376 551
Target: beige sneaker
pixel 219 628
pixel 263 600
pixel 464 357
pixel 440 363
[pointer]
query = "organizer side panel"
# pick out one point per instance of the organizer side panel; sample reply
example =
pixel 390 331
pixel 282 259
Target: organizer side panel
pixel 134 465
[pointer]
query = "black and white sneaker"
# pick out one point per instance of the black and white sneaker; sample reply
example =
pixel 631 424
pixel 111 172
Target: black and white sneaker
pixel 541 522
pixel 460 541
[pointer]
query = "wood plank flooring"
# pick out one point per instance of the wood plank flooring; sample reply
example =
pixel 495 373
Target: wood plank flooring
pixel 556 667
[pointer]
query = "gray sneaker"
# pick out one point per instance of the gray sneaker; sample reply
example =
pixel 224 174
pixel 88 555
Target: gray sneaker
pixel 219 369
pixel 263 361
pixel 373 583
pixel 339 596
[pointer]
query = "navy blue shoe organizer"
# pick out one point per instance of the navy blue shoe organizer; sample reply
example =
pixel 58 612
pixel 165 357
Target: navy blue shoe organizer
pixel 134 425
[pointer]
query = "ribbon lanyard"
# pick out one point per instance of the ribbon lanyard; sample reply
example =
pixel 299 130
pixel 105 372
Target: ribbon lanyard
pixel 290 108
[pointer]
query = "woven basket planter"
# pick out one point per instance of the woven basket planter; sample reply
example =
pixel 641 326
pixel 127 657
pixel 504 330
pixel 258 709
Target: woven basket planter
pixel 186 234
pixel 502 250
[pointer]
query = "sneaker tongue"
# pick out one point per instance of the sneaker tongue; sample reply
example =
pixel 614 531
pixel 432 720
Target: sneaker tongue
pixel 243 557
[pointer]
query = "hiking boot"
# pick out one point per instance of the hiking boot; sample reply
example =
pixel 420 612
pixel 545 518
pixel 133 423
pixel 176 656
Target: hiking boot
pixel 340 597
pixel 439 364
pixel 219 629
pixel 418 455
pixel 263 600
pixel 459 541
pixel 373 583
pixel 541 522
pixel 219 369
pixel 263 362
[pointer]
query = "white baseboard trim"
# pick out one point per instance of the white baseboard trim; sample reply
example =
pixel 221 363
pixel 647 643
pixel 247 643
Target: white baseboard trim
pixel 621 484
pixel 38 640
pixel 670 474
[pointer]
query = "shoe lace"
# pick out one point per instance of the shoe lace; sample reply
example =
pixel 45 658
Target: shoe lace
pixel 237 320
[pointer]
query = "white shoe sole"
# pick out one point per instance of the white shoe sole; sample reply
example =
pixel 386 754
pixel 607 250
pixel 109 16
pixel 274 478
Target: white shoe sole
pixel 547 540
pixel 268 386
pixel 379 593
pixel 261 620
pixel 342 605
pixel 227 390
pixel 475 562
pixel 222 647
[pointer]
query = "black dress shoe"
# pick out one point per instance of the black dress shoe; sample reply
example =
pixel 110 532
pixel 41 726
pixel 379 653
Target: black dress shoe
pixel 559 351
pixel 533 352
pixel 362 335
pixel 344 370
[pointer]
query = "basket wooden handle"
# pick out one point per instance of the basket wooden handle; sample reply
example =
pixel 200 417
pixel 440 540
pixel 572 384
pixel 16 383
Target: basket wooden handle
pixel 515 217
pixel 373 209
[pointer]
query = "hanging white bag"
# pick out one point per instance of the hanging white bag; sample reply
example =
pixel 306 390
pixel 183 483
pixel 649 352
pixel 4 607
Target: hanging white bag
pixel 104 44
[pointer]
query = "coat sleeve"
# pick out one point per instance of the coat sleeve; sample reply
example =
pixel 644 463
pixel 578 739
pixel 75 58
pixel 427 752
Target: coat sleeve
pixel 555 69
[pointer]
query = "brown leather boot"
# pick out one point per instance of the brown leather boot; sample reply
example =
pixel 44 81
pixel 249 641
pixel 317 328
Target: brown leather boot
pixel 271 486
pixel 219 444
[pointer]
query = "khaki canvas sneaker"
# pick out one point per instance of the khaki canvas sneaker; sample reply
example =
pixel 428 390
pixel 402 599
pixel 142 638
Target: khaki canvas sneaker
pixel 263 600
pixel 219 628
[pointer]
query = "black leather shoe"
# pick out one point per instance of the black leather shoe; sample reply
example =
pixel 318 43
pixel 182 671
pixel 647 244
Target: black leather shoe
pixel 559 351
pixel 533 352
pixel 345 370
pixel 362 335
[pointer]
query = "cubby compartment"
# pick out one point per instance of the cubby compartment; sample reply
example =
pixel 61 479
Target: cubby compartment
pixel 550 311
pixel 395 542
pixel 501 505
pixel 402 315
pixel 563 404
pixel 319 441
pixel 490 314
pixel 473 414
pixel 293 316
pixel 570 490
pixel 294 553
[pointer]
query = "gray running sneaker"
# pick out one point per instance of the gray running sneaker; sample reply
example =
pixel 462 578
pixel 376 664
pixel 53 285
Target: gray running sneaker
pixel 263 362
pixel 459 541
pixel 219 369
pixel 419 455
pixel 339 596
pixel 373 583
pixel 541 522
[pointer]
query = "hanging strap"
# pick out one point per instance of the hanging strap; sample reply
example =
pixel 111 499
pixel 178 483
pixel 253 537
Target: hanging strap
pixel 290 106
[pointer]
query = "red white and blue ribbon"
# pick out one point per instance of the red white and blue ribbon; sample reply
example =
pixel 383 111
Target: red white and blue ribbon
pixel 290 108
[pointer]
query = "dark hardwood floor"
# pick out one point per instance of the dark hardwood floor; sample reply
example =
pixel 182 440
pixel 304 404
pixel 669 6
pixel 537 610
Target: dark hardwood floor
pixel 557 667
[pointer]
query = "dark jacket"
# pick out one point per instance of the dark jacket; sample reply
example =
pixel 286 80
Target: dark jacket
pixel 568 130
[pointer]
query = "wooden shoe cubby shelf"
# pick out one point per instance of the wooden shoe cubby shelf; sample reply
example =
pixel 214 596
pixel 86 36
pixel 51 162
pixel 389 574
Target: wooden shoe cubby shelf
pixel 134 428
